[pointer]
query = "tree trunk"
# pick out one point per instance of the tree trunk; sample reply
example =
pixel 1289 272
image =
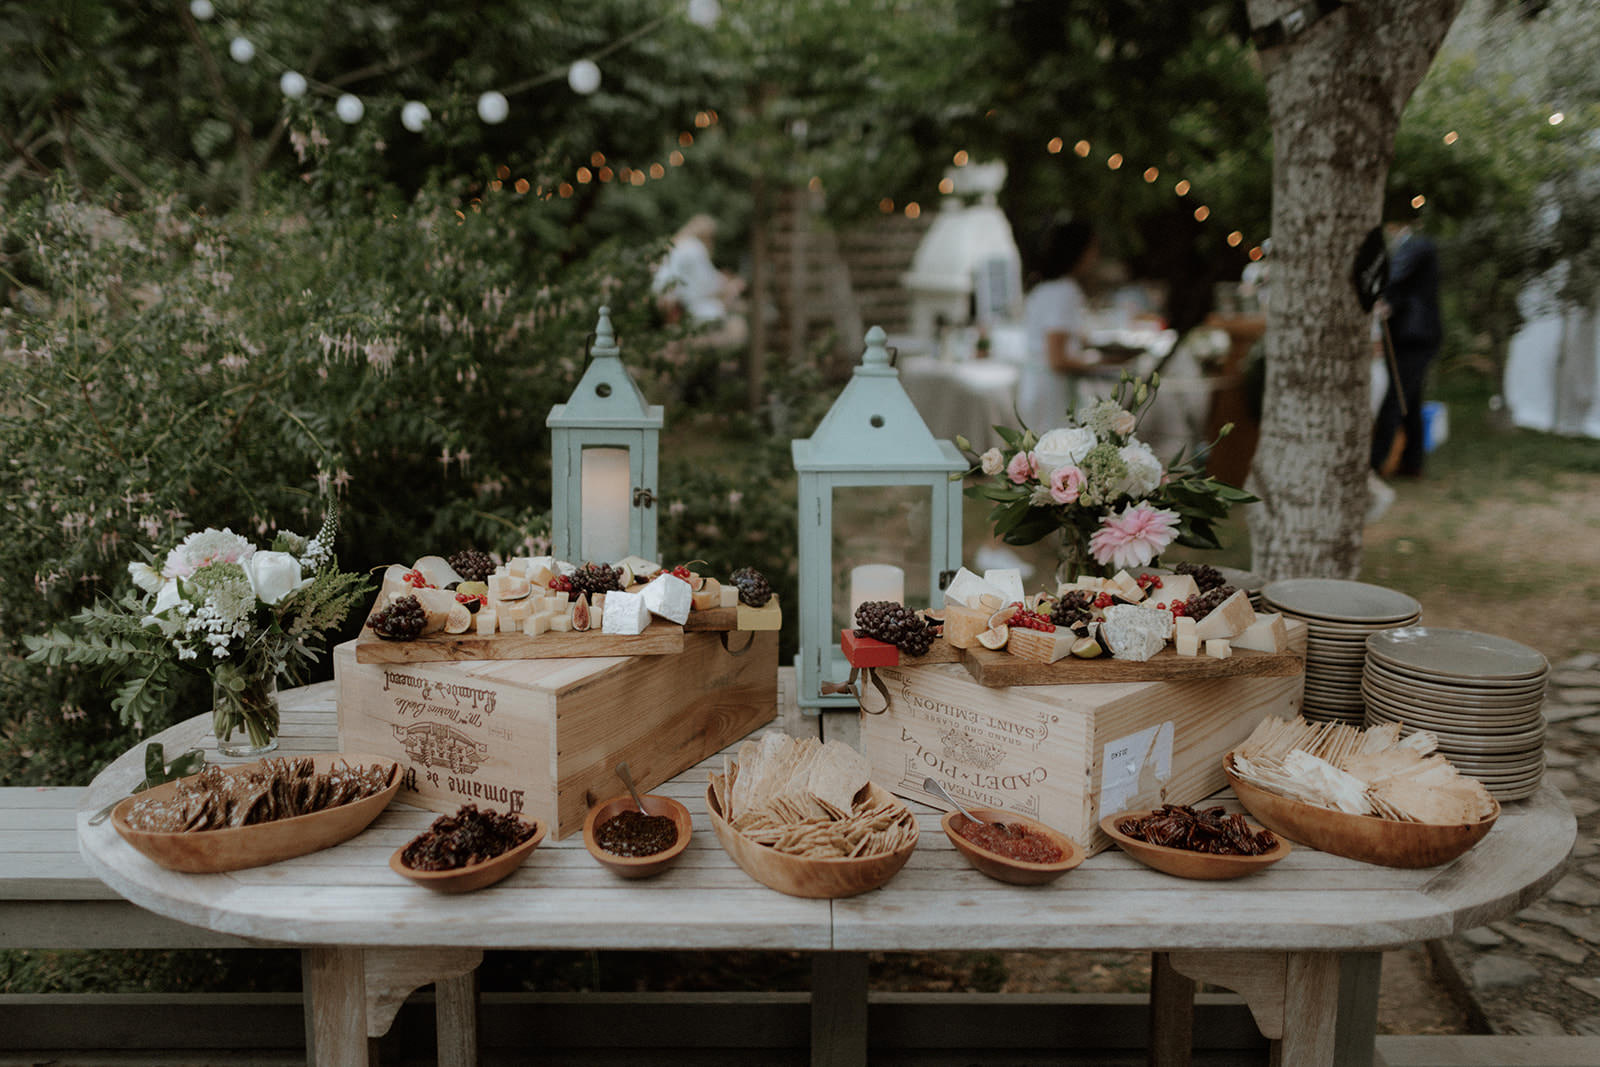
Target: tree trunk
pixel 1335 92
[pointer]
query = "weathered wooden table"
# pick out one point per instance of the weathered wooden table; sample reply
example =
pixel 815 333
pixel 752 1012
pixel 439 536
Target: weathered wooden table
pixel 1300 941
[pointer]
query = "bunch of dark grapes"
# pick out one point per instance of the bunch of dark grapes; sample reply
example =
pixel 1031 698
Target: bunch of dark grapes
pixel 1074 608
pixel 1205 576
pixel 472 565
pixel 895 623
pixel 1198 607
pixel 754 589
pixel 402 620
pixel 592 578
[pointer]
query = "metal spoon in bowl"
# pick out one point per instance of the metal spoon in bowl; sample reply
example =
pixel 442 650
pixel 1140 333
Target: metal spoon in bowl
pixel 627 780
pixel 932 785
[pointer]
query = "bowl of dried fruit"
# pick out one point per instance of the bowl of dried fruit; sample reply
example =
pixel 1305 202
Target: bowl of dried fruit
pixel 635 842
pixel 468 850
pixel 1207 844
pixel 801 817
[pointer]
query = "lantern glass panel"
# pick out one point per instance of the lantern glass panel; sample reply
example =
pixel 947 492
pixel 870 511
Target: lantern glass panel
pixel 880 524
pixel 607 503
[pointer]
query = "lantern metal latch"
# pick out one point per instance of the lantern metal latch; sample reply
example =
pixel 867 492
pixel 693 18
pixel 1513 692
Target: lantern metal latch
pixel 642 497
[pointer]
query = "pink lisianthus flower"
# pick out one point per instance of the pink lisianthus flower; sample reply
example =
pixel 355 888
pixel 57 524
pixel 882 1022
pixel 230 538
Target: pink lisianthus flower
pixel 1065 484
pixel 205 548
pixel 1022 467
pixel 1134 536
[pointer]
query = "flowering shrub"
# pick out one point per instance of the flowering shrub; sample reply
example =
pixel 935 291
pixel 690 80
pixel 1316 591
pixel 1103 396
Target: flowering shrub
pixel 1112 500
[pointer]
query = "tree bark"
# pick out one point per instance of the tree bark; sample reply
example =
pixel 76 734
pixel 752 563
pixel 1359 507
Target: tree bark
pixel 1335 93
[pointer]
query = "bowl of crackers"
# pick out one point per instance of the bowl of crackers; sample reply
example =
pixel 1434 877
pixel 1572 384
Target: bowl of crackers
pixel 801 817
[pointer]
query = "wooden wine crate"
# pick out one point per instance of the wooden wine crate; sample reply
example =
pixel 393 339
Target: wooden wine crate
pixel 1064 754
pixel 543 737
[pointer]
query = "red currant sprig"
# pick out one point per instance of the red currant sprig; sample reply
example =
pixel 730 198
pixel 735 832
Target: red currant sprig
pixel 1148 582
pixel 416 580
pixel 1032 620
pixel 681 571
pixel 1104 600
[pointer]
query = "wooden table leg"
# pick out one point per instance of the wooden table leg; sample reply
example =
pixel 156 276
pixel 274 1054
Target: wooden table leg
pixel 1360 975
pixel 336 1006
pixel 839 1009
pixel 1171 1014
pixel 1310 1011
pixel 456 1019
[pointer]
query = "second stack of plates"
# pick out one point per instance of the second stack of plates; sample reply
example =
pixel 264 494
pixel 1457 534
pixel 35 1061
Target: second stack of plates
pixel 1481 695
pixel 1339 617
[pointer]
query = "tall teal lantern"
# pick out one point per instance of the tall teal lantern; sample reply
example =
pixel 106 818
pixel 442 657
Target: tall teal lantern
pixel 875 496
pixel 603 461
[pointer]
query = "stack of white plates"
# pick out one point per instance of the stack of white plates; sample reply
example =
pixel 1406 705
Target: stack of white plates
pixel 1339 617
pixel 1483 696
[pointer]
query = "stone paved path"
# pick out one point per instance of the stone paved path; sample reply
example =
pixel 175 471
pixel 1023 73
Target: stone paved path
pixel 1538 973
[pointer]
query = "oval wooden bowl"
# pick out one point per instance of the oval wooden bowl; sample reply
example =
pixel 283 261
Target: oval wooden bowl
pixel 1386 842
pixel 1186 864
pixel 1004 868
pixel 638 866
pixel 235 848
pixel 474 875
pixel 826 879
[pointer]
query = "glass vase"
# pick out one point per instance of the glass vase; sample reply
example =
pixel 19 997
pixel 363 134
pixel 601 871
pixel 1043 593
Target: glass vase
pixel 244 713
pixel 1072 556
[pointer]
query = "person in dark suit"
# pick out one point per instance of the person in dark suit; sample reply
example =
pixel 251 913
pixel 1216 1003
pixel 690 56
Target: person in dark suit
pixel 1411 304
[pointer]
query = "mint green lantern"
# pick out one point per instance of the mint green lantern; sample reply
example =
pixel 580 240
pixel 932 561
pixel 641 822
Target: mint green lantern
pixel 603 443
pixel 874 487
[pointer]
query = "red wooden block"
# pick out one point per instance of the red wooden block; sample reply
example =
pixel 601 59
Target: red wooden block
pixel 863 651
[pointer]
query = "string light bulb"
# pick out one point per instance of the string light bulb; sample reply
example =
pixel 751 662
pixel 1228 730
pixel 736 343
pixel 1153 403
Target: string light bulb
pixel 241 50
pixel 960 158
pixel 1151 174
pixel 947 186
pixel 676 159
pixel 886 206
pixel 1452 137
pixel 584 176
pixel 1557 118
pixel 1202 213
pixel 493 108
pixel 1082 148
pixel 1235 239
pixel 1182 188
pixel 349 108
pixel 584 77
pixel 1256 253
pixel 202 9
pixel 414 115
pixel 292 84
pixel 1417 201
pixel 1114 161
pixel 1054 146
pixel 913 210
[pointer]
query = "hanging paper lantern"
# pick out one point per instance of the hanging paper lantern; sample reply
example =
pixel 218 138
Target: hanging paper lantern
pixel 292 84
pixel 241 50
pixel 202 9
pixel 584 76
pixel 415 115
pixel 349 108
pixel 704 12
pixel 492 108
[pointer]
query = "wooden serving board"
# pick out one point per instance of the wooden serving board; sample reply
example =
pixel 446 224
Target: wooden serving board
pixel 712 620
pixel 999 669
pixel 659 639
pixel 941 651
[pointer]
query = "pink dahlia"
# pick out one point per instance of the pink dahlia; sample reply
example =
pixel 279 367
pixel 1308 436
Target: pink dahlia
pixel 1022 467
pixel 1065 484
pixel 1134 536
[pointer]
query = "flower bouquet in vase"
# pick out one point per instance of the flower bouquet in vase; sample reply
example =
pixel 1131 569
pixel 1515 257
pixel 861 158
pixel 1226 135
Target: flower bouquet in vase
pixel 217 604
pixel 1094 484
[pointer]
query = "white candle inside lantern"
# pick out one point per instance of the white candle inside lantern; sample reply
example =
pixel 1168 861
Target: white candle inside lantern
pixel 875 581
pixel 607 504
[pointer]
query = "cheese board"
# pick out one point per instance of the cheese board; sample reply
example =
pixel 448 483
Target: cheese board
pixel 660 638
pixel 996 669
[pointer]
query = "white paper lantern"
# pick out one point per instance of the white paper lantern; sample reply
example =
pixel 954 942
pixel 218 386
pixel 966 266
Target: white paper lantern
pixel 349 108
pixel 584 76
pixel 492 108
pixel 202 9
pixel 704 12
pixel 415 115
pixel 292 84
pixel 241 50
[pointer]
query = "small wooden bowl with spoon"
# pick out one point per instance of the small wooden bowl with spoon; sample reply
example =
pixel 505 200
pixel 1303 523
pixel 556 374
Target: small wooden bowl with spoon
pixel 650 805
pixel 998 865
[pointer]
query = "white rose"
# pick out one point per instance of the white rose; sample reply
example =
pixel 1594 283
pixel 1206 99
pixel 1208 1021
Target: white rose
pixel 273 575
pixel 1123 423
pixel 1063 447
pixel 992 462
pixel 145 577
pixel 1144 469
pixel 167 598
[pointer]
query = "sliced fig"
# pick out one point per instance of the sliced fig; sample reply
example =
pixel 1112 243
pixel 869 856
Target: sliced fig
pixel 995 637
pixel 580 613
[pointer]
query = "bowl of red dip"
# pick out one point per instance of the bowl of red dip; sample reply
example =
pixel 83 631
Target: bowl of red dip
pixel 1019 850
pixel 633 843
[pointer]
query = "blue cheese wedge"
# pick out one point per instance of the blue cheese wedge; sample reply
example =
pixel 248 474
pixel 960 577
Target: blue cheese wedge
pixel 1134 632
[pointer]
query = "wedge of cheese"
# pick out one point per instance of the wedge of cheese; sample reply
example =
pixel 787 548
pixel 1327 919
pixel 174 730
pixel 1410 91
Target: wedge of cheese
pixel 1040 646
pixel 1267 634
pixel 1230 619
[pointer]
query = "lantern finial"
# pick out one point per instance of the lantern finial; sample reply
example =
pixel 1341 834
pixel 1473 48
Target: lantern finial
pixel 605 338
pixel 875 360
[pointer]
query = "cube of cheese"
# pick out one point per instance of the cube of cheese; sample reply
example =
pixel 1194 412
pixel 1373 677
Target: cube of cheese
pixel 597 619
pixel 625 614
pixel 561 623
pixel 670 597
pixel 537 623
pixel 730 596
pixel 767 617
pixel 1267 634
pixel 1183 624
pixel 486 622
pixel 1218 648
pixel 1230 618
pixel 508 625
pixel 1127 587
pixel 1186 644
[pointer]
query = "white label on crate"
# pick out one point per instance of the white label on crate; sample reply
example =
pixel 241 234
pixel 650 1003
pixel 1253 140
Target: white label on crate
pixel 1135 766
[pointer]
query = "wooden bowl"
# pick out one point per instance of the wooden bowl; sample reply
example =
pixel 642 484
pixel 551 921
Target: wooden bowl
pixel 1387 842
pixel 826 879
pixel 474 875
pixel 235 848
pixel 1187 864
pixel 1004 868
pixel 638 866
